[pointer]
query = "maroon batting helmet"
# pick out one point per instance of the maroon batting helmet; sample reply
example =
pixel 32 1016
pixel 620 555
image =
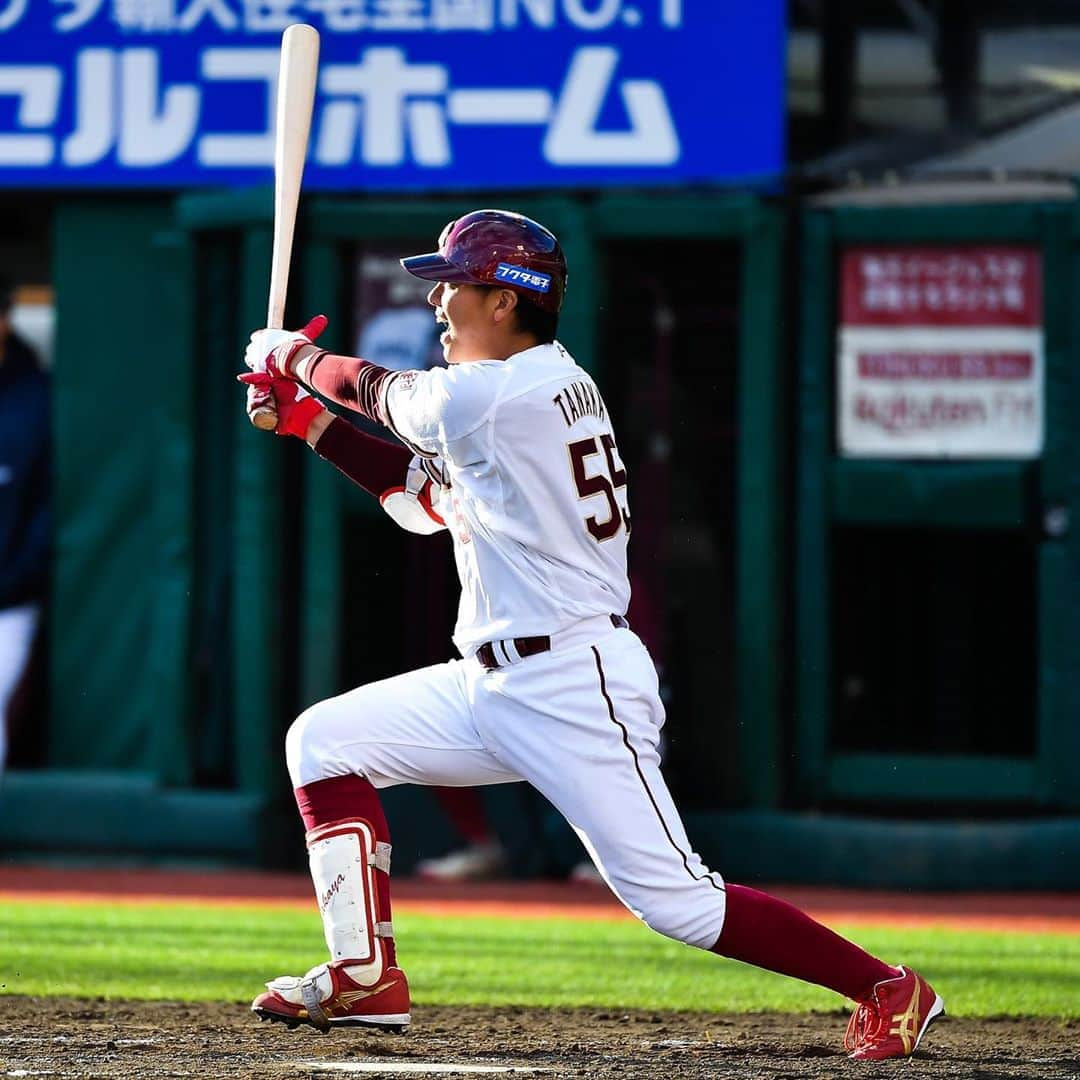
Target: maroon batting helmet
pixel 498 247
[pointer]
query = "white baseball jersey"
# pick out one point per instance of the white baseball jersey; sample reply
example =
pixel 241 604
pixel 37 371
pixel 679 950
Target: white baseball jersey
pixel 537 502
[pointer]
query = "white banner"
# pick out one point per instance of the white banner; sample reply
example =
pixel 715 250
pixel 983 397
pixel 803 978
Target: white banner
pixel 940 392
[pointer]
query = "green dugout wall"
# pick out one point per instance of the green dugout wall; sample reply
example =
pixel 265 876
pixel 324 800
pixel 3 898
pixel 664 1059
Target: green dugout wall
pixel 976 497
pixel 194 614
pixel 134 760
pixel 199 584
pixel 994 546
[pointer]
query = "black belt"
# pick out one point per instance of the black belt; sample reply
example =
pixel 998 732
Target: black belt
pixel 492 654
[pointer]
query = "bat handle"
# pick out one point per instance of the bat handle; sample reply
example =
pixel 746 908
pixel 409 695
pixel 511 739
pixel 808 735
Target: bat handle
pixel 265 417
pixel 264 414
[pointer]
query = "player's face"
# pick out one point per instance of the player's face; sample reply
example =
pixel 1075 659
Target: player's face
pixel 465 313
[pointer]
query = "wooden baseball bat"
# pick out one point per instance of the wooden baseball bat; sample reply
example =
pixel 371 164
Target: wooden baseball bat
pixel 297 74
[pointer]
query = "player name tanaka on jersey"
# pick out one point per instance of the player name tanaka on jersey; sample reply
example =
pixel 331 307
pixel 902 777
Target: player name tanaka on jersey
pixel 580 399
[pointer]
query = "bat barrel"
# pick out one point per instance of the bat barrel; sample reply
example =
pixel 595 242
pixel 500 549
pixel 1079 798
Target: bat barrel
pixel 297 75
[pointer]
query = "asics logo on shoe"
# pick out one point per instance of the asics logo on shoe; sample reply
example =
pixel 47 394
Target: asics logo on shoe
pixel 347 997
pixel 907 1022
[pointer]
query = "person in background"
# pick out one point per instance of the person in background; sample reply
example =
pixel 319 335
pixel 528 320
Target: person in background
pixel 24 508
pixel 481 857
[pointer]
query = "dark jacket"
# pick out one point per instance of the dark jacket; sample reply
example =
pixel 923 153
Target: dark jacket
pixel 24 476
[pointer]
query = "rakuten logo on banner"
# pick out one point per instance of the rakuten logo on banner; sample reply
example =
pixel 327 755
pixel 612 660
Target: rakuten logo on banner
pixel 940 352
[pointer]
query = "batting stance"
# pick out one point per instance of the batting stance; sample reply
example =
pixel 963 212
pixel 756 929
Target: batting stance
pixel 511 448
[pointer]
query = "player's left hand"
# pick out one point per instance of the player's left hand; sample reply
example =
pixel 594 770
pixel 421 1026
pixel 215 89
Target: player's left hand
pixel 295 407
pixel 269 350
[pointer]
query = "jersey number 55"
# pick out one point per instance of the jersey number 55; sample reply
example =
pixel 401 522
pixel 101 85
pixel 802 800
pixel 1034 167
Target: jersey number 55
pixel 600 483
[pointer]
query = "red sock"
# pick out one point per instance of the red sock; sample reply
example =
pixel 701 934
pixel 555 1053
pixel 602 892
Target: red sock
pixel 338 799
pixel 760 929
pixel 465 809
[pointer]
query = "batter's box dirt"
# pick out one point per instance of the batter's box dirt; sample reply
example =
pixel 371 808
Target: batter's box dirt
pixel 51 1037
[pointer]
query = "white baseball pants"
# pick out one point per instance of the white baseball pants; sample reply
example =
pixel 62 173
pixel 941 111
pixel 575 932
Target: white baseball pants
pixel 581 723
pixel 17 628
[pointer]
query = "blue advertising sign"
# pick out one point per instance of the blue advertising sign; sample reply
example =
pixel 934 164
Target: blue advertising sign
pixel 412 94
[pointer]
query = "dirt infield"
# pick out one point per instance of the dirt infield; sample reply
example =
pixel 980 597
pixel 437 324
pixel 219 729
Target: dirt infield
pixel 78 1039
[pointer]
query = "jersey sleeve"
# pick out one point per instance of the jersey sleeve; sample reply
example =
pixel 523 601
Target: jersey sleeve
pixel 432 410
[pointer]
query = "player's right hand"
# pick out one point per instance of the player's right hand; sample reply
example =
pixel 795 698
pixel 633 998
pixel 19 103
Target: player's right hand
pixel 269 350
pixel 295 407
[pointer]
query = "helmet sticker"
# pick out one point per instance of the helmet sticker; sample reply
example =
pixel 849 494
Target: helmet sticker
pixel 527 279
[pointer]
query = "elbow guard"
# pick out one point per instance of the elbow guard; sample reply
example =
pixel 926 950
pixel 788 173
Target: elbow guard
pixel 415 506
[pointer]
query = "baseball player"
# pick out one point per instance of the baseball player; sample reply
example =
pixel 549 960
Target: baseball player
pixel 512 450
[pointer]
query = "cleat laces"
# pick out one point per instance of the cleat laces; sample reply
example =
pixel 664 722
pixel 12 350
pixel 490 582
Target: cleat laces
pixel 864 1027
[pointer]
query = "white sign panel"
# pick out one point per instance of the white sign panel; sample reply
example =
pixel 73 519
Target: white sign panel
pixel 940 353
pixel 939 392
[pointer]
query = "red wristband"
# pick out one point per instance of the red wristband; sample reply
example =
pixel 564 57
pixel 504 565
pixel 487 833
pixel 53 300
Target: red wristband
pixel 297 420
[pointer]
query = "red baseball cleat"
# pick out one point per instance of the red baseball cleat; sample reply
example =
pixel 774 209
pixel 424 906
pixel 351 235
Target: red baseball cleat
pixel 894 1020
pixel 327 997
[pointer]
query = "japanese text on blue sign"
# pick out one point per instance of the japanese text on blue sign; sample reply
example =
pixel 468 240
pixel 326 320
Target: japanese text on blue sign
pixel 412 94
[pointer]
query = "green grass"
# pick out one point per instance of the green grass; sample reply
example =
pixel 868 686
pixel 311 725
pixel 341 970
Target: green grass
pixel 196 953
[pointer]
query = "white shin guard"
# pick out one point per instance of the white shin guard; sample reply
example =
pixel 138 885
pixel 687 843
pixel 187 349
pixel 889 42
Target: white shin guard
pixel 344 858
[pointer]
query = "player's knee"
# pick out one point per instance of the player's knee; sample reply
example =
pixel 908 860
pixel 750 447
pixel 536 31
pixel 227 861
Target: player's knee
pixel 306 750
pixel 314 748
pixel 694 920
pixel 296 741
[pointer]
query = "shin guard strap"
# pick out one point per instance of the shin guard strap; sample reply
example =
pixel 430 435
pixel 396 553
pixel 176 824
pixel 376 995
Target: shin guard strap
pixel 380 857
pixel 309 991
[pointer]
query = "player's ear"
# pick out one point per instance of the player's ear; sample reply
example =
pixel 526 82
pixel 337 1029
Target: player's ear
pixel 505 304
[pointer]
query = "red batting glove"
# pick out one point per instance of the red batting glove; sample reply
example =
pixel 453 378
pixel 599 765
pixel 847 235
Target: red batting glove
pixel 271 350
pixel 296 408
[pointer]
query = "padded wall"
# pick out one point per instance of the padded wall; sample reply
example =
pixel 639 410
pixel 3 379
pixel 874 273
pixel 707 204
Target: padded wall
pixel 122 434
